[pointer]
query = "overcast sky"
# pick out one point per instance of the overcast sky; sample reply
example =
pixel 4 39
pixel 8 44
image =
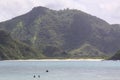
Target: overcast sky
pixel 108 10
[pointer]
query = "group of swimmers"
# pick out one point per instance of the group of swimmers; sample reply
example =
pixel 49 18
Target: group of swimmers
pixel 39 75
pixel 35 76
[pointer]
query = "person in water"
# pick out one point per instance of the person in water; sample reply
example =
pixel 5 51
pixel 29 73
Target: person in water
pixel 38 76
pixel 34 76
pixel 47 71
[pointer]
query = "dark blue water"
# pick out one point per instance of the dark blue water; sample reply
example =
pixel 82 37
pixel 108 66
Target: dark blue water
pixel 60 70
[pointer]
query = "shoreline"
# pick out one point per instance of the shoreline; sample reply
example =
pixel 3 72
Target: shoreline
pixel 56 60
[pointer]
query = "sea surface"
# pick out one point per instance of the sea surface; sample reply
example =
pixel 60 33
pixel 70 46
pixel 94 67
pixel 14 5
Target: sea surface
pixel 60 70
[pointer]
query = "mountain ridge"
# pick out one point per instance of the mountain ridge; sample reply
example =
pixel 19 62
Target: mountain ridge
pixel 65 30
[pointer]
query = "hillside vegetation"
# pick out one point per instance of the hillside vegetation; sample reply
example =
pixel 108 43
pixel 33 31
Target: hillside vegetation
pixel 66 32
pixel 14 49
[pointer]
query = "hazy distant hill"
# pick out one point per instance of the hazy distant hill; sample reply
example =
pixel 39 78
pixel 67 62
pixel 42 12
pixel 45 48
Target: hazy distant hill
pixel 65 31
pixel 13 49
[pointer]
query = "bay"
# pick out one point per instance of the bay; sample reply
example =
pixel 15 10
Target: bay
pixel 59 70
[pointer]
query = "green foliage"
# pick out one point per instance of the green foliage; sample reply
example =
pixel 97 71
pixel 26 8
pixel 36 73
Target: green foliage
pixel 52 51
pixel 86 50
pixel 64 30
pixel 4 37
pixel 13 49
pixel 116 56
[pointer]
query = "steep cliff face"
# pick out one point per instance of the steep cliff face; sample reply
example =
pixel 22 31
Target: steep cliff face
pixel 66 30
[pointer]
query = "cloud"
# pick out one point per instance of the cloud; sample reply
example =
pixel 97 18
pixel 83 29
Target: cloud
pixel 105 9
pixel 10 9
pixel 108 10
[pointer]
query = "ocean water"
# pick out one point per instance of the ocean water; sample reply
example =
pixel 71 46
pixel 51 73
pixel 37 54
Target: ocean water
pixel 60 70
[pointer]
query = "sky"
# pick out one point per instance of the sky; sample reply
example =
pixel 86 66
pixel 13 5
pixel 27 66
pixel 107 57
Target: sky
pixel 108 10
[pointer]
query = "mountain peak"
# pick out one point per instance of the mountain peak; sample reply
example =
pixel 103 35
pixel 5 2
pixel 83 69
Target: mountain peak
pixel 36 11
pixel 64 29
pixel 40 7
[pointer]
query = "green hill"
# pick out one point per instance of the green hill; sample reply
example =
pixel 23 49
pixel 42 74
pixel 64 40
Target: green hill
pixel 116 56
pixel 14 49
pixel 87 51
pixel 64 31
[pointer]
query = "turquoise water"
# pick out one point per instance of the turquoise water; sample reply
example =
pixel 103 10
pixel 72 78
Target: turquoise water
pixel 60 70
